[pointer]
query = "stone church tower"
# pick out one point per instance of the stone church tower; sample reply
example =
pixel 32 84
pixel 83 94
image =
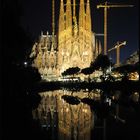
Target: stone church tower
pixel 75 41
pixel 75 45
pixel 45 56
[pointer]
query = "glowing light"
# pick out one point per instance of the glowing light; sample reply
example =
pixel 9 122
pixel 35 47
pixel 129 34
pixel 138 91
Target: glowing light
pixel 134 76
pixel 25 63
pixel 67 109
pixel 85 110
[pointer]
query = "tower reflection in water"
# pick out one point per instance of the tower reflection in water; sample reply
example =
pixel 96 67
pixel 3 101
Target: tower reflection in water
pixel 67 121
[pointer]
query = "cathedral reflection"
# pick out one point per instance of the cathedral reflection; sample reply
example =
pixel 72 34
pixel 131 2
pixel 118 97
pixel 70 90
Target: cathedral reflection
pixel 72 122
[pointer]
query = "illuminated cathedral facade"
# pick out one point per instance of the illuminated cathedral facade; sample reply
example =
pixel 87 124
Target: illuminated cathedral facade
pixel 74 46
pixel 70 121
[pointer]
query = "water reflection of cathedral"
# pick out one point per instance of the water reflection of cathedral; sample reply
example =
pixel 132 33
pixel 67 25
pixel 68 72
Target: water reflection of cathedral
pixel 70 121
pixel 75 44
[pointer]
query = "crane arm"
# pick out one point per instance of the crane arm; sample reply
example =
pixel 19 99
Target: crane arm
pixel 99 34
pixel 121 43
pixel 112 6
pixel 120 6
pixel 117 45
pixel 111 49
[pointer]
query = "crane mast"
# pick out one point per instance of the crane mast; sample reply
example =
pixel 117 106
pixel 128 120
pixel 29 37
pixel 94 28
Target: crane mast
pixel 117 47
pixel 53 21
pixel 106 6
pixel 53 24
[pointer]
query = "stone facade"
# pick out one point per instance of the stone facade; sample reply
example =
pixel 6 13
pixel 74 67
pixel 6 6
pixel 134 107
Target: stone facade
pixel 75 45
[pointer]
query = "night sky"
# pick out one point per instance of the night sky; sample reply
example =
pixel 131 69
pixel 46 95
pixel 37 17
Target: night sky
pixel 123 23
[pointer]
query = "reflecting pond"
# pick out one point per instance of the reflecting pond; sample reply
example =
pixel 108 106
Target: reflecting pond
pixel 82 115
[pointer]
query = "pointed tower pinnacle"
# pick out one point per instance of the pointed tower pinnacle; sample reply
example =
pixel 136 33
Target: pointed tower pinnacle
pixel 88 17
pixel 81 25
pixel 81 15
pixel 74 8
pixel 75 27
pixel 61 23
pixel 61 17
pixel 53 25
pixel 68 15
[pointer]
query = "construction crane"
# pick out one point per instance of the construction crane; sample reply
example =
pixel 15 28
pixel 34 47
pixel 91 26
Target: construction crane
pixel 106 6
pixel 99 34
pixel 117 47
pixel 53 24
pixel 53 17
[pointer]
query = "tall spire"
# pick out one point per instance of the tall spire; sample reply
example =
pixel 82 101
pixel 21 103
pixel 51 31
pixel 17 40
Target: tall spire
pixel 88 17
pixel 75 27
pixel 68 15
pixel 61 17
pixel 75 32
pixel 74 8
pixel 82 15
pixel 81 25
pixel 53 26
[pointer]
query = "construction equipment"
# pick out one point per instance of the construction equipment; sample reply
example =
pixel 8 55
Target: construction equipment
pixel 106 6
pixel 53 17
pixel 117 47
pixel 99 34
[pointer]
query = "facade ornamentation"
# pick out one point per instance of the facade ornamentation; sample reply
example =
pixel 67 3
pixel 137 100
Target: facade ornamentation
pixel 75 45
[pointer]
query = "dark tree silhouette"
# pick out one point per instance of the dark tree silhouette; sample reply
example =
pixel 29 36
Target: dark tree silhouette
pixel 87 71
pixel 71 71
pixel 126 69
pixel 103 62
pixel 73 100
pixel 16 80
pixel 16 42
pixel 64 73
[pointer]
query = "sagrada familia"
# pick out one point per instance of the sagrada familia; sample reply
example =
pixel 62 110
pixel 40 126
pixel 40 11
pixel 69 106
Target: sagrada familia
pixel 75 44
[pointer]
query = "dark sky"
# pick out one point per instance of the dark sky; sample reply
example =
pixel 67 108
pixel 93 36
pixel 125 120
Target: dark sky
pixel 123 23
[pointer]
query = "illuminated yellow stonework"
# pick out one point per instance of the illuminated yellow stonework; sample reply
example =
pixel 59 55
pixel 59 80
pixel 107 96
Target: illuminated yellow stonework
pixel 133 76
pixel 71 121
pixel 76 46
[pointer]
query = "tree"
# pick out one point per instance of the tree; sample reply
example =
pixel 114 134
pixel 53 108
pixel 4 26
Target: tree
pixel 87 71
pixel 126 69
pixel 103 62
pixel 71 71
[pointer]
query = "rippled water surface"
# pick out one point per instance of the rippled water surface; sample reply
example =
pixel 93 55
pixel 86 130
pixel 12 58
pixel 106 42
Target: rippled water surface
pixel 80 115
